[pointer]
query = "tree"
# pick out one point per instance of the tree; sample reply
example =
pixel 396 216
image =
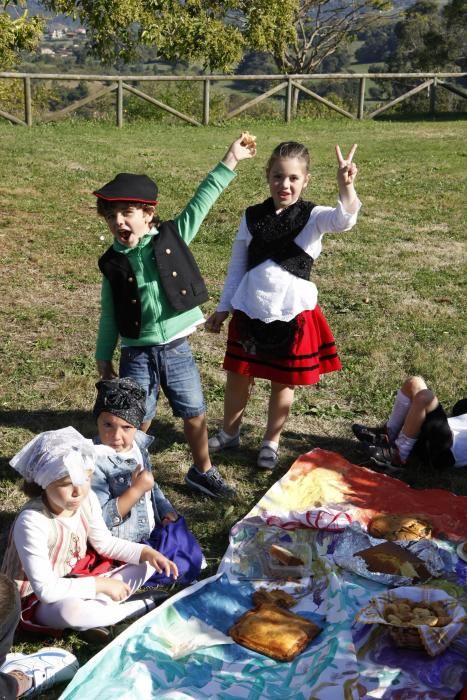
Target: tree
pixel 17 33
pixel 324 25
pixel 214 32
pixel 378 44
pixel 430 39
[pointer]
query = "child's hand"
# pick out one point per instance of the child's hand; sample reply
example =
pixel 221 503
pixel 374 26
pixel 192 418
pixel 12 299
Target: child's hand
pixel 170 517
pixel 113 587
pixel 238 152
pixel 106 369
pixel 346 170
pixel 142 479
pixel 215 321
pixel 159 562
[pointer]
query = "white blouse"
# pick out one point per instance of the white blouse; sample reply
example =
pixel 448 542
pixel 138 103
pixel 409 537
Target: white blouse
pixel 267 291
pixel 31 534
pixel 458 425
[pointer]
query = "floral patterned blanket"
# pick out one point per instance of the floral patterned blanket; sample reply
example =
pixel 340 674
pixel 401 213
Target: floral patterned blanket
pixel 182 650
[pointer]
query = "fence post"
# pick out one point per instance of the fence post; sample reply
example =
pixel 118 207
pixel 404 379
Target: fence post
pixel 27 101
pixel 433 96
pixel 288 101
pixel 119 104
pixel 206 94
pixel 361 98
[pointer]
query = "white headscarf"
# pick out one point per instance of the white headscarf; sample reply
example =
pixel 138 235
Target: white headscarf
pixel 54 454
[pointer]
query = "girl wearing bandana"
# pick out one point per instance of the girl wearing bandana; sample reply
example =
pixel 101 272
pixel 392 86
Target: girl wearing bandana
pixel 133 505
pixel 61 554
pixel 277 330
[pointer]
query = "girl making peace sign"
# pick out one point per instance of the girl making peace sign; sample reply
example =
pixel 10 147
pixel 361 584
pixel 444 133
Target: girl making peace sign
pixel 277 330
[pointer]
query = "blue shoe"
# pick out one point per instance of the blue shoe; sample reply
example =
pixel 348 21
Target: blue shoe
pixel 211 483
pixel 222 441
pixel 45 668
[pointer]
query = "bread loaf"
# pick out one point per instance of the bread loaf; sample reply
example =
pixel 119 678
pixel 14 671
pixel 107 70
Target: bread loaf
pixel 391 526
pixel 285 556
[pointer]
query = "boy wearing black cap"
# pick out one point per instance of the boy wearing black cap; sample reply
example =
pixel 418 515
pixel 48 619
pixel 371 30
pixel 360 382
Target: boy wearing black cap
pixel 150 295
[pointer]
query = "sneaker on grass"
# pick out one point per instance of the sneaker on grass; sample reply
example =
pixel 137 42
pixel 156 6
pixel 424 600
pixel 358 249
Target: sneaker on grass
pixel 45 668
pixel 386 457
pixel 211 483
pixel 222 441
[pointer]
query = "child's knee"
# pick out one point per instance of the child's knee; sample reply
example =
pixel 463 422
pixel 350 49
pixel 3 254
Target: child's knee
pixel 425 400
pixel 413 385
pixel 73 613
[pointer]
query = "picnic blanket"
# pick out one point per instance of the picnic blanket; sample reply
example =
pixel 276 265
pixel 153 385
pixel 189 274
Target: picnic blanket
pixel 182 650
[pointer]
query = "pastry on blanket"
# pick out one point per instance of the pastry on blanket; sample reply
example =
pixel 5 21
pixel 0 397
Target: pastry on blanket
pixel 390 558
pixel 276 597
pixel 391 526
pixel 248 139
pixel 273 631
pixel 285 556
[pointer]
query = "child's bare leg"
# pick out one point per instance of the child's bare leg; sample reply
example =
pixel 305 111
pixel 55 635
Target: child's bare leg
pixel 402 403
pixel 280 401
pixel 196 433
pixel 422 403
pixel 237 392
pixel 145 425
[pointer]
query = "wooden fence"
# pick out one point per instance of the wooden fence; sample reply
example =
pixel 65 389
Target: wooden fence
pixel 291 84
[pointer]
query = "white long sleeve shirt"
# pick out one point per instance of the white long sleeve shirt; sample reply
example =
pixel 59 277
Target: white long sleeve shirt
pixel 31 534
pixel 267 291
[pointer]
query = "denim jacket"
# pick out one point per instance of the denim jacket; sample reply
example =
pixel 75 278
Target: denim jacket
pixel 111 477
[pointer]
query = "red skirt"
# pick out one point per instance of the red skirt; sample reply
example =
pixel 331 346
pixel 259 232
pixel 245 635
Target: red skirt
pixel 312 353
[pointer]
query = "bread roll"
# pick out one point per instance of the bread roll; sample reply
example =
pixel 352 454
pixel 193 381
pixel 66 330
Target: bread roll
pixel 285 556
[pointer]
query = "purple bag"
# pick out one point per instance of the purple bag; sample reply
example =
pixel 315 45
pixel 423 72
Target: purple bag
pixel 177 543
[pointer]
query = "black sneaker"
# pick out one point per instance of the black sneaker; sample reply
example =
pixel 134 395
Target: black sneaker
pixel 211 483
pixel 96 635
pixel 386 457
pixel 370 436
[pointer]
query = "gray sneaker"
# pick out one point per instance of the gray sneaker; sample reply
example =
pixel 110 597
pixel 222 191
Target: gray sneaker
pixel 219 442
pixel 267 458
pixel 210 483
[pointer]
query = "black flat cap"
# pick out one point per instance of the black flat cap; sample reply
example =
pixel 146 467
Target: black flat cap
pixel 129 188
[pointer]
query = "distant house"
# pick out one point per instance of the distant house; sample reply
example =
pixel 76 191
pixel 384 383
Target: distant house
pixel 45 51
pixel 81 30
pixel 56 34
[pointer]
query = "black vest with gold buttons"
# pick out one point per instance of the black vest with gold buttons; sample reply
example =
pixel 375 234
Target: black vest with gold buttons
pixel 180 279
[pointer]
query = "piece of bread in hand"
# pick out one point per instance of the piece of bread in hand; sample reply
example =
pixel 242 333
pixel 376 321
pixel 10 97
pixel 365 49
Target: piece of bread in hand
pixel 285 556
pixel 248 139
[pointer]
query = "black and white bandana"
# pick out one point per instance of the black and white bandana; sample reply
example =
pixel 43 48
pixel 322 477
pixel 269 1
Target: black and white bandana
pixel 124 398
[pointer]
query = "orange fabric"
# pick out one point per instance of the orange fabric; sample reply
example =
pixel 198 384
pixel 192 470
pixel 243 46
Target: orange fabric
pixel 329 478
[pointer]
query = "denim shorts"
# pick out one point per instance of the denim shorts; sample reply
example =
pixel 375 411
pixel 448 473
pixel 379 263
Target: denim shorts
pixel 170 367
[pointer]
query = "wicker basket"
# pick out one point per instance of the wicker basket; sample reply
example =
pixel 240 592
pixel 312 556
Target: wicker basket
pixel 406 637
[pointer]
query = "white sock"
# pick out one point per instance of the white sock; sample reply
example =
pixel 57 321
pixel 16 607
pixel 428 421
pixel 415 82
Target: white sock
pixel 405 446
pixel 398 414
pixel 226 436
pixel 270 443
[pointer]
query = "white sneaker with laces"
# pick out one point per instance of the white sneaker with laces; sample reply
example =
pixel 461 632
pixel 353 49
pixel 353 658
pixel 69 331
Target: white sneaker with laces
pixel 45 667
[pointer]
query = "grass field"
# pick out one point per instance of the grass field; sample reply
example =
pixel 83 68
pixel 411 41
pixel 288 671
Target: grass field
pixel 393 289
